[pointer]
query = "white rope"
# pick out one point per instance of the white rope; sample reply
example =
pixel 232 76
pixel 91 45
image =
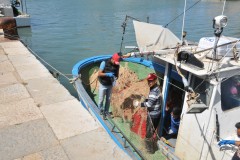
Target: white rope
pixel 168 82
pixel 219 64
pixel 231 49
pixel 183 19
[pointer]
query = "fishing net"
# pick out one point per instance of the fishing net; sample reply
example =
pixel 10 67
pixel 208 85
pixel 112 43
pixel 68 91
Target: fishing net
pixel 128 88
pixel 131 85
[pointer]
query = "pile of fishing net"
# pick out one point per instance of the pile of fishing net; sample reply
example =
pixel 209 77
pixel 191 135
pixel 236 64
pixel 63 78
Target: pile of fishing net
pixel 128 88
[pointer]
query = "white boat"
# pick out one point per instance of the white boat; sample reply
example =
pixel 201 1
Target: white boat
pixel 16 9
pixel 210 98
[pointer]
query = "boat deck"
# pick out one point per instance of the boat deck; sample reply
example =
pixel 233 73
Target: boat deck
pixel 210 66
pixel 39 119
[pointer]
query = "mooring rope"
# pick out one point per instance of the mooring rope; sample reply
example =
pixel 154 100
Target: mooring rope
pixel 46 62
pixel 35 54
pixel 87 84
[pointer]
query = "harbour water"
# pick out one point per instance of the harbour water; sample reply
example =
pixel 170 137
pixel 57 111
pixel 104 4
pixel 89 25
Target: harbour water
pixel 64 32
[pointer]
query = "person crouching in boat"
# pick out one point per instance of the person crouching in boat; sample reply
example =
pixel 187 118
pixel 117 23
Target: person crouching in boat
pixel 153 104
pixel 233 140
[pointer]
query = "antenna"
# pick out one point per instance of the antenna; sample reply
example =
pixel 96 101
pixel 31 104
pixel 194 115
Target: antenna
pixel 184 13
pixel 223 6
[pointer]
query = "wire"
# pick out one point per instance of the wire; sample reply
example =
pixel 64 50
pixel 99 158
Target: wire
pixel 182 13
pixel 168 82
pixel 216 47
pixel 124 25
pixel 219 62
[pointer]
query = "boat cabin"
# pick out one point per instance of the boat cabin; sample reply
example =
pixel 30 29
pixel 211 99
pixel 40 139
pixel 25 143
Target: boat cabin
pixel 208 92
pixel 212 114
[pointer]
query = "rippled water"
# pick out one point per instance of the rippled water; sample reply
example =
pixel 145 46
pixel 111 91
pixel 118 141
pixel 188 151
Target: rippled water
pixel 64 32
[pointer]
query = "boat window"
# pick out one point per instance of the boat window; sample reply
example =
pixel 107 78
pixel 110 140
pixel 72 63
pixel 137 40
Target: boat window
pixel 230 93
pixel 204 88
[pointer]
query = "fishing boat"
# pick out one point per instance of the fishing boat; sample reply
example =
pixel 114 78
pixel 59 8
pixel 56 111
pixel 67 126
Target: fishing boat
pixel 201 78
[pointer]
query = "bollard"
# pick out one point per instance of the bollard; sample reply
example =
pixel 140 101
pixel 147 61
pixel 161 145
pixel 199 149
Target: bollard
pixel 9 26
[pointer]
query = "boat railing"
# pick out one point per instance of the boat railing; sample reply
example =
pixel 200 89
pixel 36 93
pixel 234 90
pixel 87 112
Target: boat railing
pixel 166 150
pixel 126 140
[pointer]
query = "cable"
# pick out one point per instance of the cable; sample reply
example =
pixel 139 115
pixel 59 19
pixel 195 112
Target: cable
pixel 168 82
pixel 124 25
pixel 218 63
pixel 182 13
pixel 216 47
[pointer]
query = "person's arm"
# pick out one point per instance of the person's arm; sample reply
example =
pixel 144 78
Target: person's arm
pixel 130 54
pixel 150 100
pixel 237 143
pixel 126 55
pixel 101 73
pixel 117 74
pixel 101 68
pixel 225 142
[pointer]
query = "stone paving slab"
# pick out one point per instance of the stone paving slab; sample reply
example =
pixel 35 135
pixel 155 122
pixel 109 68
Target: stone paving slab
pixel 7 79
pixel 94 145
pixel 47 99
pixel 3 58
pixel 36 70
pixel 23 59
pixel 18 112
pixel 68 119
pixel 13 93
pixel 26 138
pixel 12 44
pixel 16 51
pixel 54 153
pixel 6 67
pixel 44 86
pixel 1 51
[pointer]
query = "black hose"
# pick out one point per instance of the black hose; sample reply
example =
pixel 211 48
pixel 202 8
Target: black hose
pixel 217 128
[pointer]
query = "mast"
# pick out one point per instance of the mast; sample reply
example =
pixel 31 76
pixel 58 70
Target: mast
pixel 183 23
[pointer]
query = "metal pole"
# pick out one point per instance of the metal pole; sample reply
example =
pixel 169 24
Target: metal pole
pixel 183 23
pixel 22 6
pixel 165 90
pixel 26 6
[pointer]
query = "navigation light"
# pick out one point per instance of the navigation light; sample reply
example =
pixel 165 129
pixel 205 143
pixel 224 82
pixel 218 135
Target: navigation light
pixel 220 22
